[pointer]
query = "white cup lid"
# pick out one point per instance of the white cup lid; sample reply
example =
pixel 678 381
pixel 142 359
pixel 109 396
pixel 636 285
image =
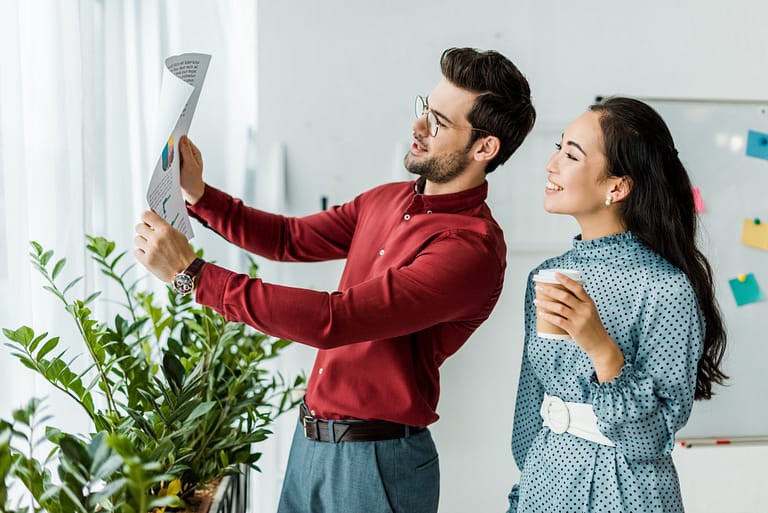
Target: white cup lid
pixel 548 275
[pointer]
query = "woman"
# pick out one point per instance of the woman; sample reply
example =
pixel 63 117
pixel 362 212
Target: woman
pixel 647 336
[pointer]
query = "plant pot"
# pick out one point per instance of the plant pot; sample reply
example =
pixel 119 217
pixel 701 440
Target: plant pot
pixel 232 495
pixel 229 495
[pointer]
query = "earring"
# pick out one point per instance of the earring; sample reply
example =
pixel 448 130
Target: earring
pixel 608 200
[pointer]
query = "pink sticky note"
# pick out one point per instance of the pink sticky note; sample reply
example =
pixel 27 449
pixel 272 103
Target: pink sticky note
pixel 698 202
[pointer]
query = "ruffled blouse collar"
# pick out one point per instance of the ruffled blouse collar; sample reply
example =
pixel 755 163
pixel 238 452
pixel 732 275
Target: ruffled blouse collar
pixel 609 241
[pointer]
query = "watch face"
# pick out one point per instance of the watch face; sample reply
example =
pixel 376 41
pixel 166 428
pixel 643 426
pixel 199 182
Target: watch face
pixel 183 284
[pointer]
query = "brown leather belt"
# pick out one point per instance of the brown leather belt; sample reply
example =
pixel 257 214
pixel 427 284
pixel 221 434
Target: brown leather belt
pixel 353 430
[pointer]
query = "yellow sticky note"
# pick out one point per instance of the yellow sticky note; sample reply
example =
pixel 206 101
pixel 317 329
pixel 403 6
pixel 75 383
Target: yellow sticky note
pixel 755 233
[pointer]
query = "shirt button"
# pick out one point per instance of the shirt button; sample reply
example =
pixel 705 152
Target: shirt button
pixel 320 371
pixel 312 412
pixel 407 217
pixel 381 252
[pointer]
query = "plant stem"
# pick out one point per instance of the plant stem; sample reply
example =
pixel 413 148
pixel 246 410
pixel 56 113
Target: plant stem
pixel 102 376
pixel 75 311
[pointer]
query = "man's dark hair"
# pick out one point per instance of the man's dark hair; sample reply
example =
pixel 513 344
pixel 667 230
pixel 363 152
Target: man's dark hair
pixel 503 106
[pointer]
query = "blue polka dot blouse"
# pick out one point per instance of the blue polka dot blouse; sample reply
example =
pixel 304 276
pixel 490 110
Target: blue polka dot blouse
pixel 649 308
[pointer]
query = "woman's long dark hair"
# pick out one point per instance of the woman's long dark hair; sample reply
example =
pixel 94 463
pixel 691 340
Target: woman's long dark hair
pixel 660 211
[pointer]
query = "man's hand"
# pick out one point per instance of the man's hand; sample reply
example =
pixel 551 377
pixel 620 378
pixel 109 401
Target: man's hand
pixel 191 170
pixel 161 248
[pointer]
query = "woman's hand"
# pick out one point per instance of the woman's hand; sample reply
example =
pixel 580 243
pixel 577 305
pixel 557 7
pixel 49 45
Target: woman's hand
pixel 574 311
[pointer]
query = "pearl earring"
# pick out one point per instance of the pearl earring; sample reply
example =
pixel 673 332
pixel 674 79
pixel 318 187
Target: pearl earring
pixel 608 200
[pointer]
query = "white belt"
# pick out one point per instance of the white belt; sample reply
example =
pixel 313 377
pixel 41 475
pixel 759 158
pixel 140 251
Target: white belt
pixel 577 419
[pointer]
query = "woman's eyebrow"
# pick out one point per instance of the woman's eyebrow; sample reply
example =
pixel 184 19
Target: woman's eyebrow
pixel 571 143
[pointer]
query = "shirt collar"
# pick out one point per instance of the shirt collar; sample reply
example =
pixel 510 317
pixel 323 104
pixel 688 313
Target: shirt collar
pixel 450 203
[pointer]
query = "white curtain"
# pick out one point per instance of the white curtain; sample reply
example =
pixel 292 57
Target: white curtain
pixel 79 80
pixel 41 170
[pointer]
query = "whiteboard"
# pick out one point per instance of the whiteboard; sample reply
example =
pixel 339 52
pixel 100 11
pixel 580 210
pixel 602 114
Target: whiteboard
pixel 711 137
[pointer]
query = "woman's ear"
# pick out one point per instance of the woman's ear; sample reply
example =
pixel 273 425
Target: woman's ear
pixel 486 148
pixel 621 188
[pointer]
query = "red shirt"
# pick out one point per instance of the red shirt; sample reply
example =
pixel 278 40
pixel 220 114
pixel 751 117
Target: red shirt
pixel 422 273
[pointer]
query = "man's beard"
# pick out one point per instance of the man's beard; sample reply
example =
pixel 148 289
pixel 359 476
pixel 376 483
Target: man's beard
pixel 440 169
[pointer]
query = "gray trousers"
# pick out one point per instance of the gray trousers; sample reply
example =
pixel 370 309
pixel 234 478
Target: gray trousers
pixel 388 476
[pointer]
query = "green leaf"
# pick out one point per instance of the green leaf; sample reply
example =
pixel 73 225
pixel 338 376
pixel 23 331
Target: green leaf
pixel 100 246
pixel 58 267
pixel 201 409
pixel 23 335
pixel 110 489
pixel 75 451
pixel 90 298
pixel 53 434
pixel 175 346
pixel 55 292
pixel 173 369
pixel 71 500
pixel 163 450
pixel 26 362
pixel 51 499
pixel 108 467
pixel 71 284
pixel 98 450
pixel 142 423
pixel 33 345
pixel 117 259
pixel 45 257
pixel 47 348
pixel 170 501
pixel 126 271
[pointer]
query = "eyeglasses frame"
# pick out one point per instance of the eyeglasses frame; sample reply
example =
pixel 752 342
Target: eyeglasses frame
pixel 433 122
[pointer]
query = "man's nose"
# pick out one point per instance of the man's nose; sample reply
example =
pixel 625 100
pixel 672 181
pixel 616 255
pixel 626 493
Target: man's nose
pixel 419 125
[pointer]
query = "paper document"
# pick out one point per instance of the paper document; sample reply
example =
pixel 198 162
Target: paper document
pixel 182 80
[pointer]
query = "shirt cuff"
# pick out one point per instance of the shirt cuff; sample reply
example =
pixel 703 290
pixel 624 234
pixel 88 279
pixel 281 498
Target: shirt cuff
pixel 211 285
pixel 617 381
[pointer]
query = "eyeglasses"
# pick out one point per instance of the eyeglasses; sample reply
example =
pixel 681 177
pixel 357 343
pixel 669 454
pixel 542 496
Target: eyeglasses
pixel 421 107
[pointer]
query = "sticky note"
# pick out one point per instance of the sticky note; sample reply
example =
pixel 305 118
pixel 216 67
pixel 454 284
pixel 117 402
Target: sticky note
pixel 745 289
pixel 757 144
pixel 698 201
pixel 754 233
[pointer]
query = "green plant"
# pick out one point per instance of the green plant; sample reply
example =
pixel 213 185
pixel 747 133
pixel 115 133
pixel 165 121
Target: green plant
pixel 177 395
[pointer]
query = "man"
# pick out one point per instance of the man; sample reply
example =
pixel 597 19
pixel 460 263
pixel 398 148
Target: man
pixel 425 267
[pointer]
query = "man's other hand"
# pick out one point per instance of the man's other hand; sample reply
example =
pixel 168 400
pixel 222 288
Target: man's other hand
pixel 191 169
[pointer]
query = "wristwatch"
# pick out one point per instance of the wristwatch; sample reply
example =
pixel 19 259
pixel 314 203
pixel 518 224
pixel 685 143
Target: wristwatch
pixel 184 282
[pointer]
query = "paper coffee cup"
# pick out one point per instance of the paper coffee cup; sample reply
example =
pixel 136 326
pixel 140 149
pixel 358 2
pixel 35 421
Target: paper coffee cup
pixel 546 329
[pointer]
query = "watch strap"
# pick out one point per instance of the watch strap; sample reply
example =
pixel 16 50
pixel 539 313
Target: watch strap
pixel 185 282
pixel 193 269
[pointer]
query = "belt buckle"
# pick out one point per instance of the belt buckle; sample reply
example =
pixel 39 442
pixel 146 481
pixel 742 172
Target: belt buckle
pixel 559 417
pixel 307 421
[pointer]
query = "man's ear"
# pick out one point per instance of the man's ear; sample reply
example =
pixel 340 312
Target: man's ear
pixel 486 149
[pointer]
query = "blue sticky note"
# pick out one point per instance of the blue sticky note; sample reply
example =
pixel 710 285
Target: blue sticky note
pixel 757 144
pixel 745 289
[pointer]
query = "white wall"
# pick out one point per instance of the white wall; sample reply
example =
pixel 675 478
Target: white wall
pixel 336 87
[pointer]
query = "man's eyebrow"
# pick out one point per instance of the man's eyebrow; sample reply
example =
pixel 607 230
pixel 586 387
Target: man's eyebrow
pixel 438 113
